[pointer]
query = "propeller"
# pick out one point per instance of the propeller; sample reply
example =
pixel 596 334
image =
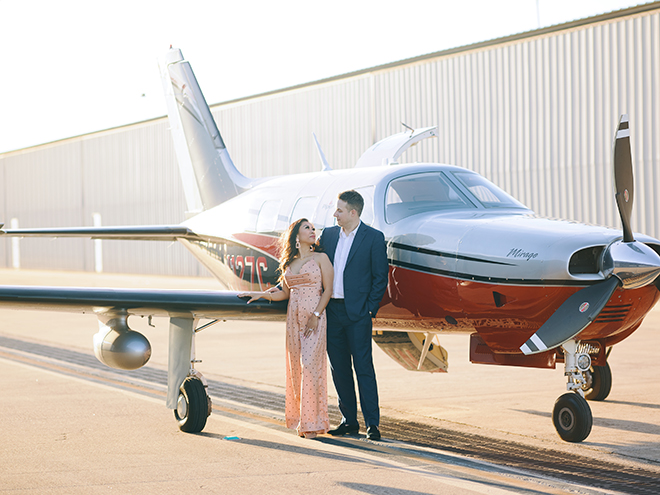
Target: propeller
pixel 623 176
pixel 577 312
pixel 631 263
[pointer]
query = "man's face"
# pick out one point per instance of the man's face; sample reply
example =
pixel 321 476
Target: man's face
pixel 343 215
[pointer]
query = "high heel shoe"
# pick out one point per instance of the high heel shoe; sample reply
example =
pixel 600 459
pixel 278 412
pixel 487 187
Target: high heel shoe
pixel 309 435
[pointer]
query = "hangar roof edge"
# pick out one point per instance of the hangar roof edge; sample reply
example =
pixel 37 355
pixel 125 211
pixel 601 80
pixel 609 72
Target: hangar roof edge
pixel 630 11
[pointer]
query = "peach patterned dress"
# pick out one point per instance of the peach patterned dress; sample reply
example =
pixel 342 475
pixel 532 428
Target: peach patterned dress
pixel 306 367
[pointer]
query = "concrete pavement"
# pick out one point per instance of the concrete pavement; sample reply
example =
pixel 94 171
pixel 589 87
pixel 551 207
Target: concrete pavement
pixel 63 435
pixel 130 442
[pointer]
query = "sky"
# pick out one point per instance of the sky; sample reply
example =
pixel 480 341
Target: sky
pixel 73 67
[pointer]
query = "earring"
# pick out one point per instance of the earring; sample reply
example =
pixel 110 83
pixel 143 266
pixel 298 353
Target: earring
pixel 297 243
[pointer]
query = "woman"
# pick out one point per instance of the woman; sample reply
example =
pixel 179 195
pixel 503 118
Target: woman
pixel 306 277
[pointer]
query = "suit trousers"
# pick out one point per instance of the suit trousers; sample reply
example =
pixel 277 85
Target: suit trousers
pixel 349 345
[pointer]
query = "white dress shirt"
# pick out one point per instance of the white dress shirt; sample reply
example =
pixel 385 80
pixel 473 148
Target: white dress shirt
pixel 341 255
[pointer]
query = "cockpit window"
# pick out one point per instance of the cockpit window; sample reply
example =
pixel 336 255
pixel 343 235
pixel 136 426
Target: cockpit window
pixel 488 194
pixel 418 193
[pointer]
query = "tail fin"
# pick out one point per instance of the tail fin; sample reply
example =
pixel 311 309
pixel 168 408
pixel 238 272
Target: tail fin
pixel 208 173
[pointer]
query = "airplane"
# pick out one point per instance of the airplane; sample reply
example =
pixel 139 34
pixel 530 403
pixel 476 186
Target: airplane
pixel 464 256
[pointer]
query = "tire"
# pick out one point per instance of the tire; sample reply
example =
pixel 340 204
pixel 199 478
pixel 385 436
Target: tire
pixel 193 406
pixel 598 382
pixel 572 417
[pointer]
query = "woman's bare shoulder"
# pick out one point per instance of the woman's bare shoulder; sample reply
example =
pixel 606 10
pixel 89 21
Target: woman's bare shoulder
pixel 321 258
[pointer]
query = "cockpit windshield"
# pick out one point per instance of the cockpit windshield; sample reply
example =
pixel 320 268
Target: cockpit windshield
pixel 487 193
pixel 418 193
pixel 431 191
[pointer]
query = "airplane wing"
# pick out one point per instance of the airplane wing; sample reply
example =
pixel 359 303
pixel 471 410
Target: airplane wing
pixel 142 302
pixel 133 232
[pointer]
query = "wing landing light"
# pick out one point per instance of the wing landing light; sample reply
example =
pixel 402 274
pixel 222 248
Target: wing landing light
pixel 632 264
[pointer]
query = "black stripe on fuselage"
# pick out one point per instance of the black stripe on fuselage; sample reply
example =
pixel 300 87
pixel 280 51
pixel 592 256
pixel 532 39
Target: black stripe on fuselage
pixel 490 280
pixel 455 256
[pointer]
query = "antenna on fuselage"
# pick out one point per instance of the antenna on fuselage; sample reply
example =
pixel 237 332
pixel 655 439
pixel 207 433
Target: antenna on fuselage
pixel 408 127
pixel 324 162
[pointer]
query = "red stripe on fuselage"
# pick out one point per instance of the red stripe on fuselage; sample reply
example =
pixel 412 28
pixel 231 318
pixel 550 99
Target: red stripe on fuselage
pixel 263 242
pixel 504 315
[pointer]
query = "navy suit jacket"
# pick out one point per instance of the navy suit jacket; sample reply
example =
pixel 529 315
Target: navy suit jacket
pixel 366 272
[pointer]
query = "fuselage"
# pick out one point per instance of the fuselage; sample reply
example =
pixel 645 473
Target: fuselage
pixel 463 254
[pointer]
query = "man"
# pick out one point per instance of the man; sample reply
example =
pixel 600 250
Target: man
pixel 359 256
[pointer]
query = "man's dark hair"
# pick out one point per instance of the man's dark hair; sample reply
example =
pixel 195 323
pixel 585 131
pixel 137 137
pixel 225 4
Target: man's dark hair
pixel 353 200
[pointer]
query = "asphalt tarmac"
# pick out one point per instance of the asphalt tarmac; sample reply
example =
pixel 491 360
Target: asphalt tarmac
pixel 63 433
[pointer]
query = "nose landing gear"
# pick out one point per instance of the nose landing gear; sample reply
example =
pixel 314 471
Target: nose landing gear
pixel 572 415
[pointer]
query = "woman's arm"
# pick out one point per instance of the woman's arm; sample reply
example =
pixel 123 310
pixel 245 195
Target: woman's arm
pixel 327 276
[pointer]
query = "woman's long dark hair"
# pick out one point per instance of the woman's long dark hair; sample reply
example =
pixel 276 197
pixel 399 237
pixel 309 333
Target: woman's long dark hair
pixel 287 244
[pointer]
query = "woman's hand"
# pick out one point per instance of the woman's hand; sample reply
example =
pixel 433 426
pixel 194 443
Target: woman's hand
pixel 312 325
pixel 252 295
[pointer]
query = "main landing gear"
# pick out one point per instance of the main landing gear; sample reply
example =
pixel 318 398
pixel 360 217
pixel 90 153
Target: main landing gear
pixel 187 389
pixel 193 405
pixel 572 415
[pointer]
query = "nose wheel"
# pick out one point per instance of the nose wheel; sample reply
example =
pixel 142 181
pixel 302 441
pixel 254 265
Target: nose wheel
pixel 193 405
pixel 572 417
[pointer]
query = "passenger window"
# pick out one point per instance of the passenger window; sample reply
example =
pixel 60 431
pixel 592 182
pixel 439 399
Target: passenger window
pixel 267 219
pixel 304 208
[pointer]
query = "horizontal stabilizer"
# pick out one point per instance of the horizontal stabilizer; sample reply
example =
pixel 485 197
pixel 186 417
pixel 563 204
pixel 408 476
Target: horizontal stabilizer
pixel 577 312
pixel 133 232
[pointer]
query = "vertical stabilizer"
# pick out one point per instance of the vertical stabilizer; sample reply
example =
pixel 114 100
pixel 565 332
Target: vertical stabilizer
pixel 208 173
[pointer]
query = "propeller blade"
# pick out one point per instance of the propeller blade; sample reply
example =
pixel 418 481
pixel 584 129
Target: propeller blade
pixel 577 312
pixel 623 176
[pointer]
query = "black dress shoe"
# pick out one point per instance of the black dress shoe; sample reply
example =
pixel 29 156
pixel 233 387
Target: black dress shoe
pixel 345 429
pixel 373 433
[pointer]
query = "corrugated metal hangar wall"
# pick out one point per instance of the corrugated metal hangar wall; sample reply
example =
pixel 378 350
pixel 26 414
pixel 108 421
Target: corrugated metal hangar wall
pixel 535 113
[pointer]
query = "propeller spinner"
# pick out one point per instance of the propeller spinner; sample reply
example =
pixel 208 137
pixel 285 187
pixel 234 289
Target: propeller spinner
pixel 632 264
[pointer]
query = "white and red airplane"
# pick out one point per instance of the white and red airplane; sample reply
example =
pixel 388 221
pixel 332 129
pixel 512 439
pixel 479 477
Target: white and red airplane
pixel 463 254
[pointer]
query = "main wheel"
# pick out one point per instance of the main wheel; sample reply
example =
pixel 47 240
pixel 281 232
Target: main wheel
pixel 598 382
pixel 193 405
pixel 572 417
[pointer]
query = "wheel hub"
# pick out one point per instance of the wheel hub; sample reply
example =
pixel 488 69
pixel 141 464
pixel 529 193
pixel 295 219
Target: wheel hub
pixel 566 418
pixel 182 407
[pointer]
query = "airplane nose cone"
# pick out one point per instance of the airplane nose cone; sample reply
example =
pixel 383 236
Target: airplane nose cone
pixel 634 263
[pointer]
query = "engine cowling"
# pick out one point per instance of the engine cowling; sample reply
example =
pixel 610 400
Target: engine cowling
pixel 117 346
